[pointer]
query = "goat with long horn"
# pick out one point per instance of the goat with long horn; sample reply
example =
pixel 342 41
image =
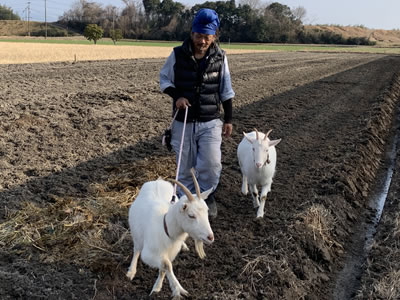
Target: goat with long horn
pixel 159 229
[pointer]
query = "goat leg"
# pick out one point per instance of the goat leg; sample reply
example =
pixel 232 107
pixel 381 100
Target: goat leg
pixel 177 289
pixel 244 186
pixel 132 268
pixel 254 194
pixel 185 247
pixel 159 282
pixel 263 198
pixel 260 211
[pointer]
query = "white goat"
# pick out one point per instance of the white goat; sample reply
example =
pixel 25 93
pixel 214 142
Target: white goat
pixel 159 229
pixel 257 160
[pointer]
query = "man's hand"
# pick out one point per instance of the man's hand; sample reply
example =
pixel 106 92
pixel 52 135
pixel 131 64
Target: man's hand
pixel 182 103
pixel 227 129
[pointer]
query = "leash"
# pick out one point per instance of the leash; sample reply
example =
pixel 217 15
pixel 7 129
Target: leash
pixel 180 151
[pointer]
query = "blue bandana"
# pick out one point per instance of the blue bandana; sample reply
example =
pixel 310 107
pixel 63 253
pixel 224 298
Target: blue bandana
pixel 206 21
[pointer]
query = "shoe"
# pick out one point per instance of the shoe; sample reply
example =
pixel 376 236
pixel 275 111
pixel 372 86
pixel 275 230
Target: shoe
pixel 212 206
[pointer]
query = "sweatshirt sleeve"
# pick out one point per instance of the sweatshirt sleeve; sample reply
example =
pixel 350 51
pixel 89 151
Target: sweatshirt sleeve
pixel 226 91
pixel 167 75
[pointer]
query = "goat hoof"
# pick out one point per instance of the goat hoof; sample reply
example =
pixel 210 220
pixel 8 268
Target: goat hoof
pixel 182 292
pixel 130 275
pixel 154 291
pixel 185 247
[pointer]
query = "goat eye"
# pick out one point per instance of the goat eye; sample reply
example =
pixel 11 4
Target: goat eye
pixel 192 216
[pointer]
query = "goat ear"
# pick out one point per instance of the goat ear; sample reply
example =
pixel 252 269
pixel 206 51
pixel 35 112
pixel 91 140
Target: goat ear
pixel 205 194
pixel 184 207
pixel 273 143
pixel 248 138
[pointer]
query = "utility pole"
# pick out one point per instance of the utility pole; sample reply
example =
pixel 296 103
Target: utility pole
pixel 24 13
pixel 29 16
pixel 45 17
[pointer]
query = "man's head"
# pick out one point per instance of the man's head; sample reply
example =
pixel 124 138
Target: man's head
pixel 204 28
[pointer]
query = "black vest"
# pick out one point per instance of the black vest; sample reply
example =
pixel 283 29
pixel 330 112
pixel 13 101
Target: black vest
pixel 199 81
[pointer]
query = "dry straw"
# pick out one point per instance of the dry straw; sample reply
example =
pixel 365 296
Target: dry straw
pixel 388 287
pixel 320 221
pixel 90 231
pixel 266 271
pixel 19 53
pixel 14 53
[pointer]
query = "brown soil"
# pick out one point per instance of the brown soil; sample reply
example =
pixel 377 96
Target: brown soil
pixel 381 278
pixel 89 132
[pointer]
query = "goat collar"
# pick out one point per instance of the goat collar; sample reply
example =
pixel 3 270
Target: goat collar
pixel 165 227
pixel 267 161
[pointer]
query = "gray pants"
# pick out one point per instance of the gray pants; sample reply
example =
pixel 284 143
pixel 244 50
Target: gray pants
pixel 201 150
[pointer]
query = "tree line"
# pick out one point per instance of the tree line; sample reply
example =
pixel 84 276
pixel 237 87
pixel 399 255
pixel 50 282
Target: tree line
pixel 250 21
pixel 6 13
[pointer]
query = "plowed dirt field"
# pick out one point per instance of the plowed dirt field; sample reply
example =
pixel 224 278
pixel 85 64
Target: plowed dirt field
pixel 77 140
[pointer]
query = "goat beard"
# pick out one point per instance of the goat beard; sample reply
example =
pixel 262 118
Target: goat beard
pixel 198 245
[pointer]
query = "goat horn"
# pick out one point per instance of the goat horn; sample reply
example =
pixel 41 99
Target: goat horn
pixel 256 133
pixel 196 184
pixel 269 131
pixel 184 189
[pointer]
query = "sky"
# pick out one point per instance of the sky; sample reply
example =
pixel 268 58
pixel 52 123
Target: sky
pixel 374 14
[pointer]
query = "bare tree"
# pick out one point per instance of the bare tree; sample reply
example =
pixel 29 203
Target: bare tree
pixel 258 6
pixel 254 4
pixel 299 13
pixel 132 22
pixel 84 11
pixel 109 20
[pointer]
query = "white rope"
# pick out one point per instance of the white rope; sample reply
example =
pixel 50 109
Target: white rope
pixel 180 152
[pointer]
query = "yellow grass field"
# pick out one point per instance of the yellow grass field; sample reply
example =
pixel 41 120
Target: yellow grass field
pixel 20 53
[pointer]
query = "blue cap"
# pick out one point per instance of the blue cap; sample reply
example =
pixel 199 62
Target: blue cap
pixel 206 21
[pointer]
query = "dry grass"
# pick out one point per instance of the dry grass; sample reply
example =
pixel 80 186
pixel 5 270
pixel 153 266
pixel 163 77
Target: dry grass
pixel 396 230
pixel 90 231
pixel 387 287
pixel 81 231
pixel 382 37
pixel 320 221
pixel 16 53
pixel 382 277
pixel 257 268
pixel 266 271
pixel 20 53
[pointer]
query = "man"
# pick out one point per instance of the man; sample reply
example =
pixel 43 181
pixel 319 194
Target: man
pixel 196 75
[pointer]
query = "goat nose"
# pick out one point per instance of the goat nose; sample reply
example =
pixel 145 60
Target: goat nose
pixel 211 237
pixel 258 165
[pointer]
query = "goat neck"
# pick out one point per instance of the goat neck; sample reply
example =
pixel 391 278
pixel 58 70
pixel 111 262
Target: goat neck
pixel 171 227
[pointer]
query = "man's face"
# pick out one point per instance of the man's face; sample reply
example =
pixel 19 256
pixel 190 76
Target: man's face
pixel 202 41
